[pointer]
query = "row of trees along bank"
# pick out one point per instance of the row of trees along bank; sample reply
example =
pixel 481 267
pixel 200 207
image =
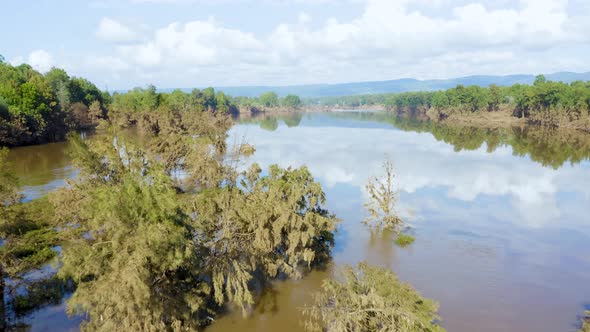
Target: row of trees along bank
pixel 544 102
pixel 37 108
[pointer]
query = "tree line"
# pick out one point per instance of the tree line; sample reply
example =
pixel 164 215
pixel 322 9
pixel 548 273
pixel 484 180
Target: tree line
pixel 543 102
pixel 37 108
pixel 269 100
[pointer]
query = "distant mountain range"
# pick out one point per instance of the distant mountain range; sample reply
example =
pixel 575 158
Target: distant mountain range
pixel 399 85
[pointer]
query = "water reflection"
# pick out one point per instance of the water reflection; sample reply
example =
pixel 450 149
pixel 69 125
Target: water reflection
pixel 500 215
pixel 41 168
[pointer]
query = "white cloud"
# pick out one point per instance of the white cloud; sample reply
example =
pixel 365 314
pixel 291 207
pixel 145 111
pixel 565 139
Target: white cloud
pixel 388 39
pixel 40 60
pixel 199 43
pixel 112 31
pixel 523 189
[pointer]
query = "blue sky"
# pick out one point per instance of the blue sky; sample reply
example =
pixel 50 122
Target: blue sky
pixel 185 43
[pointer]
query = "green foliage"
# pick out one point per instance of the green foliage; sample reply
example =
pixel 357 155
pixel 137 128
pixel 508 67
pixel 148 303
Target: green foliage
pixel 370 299
pixel 383 198
pixel 291 101
pixel 404 240
pixel 36 108
pixel 544 102
pixel 154 252
pixel 134 106
pixel 269 99
pixel 440 100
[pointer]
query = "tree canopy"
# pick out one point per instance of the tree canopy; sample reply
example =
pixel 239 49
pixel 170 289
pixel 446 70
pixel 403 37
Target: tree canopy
pixel 37 108
pixel 150 251
pixel 370 298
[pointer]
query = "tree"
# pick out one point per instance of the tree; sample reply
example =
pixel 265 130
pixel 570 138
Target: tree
pixel 291 101
pixel 95 112
pixel 269 99
pixel 540 80
pixel 370 299
pixel 209 100
pixel 165 255
pixel 221 102
pixel 440 100
pixel 35 107
pixel 495 97
pixel 383 198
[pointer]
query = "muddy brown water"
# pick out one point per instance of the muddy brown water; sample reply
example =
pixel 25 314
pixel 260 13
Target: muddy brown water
pixel 502 240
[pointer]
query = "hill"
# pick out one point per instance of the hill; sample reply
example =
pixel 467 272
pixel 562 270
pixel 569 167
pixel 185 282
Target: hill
pixel 398 85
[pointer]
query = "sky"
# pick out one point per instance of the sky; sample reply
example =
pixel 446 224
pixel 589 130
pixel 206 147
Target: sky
pixel 120 44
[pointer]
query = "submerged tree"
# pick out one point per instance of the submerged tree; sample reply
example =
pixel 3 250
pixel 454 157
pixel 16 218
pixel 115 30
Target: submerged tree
pixel 130 247
pixel 262 227
pixel 153 252
pixel 370 299
pixel 383 198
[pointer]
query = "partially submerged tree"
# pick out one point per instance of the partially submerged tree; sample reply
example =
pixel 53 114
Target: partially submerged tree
pixel 153 252
pixel 263 227
pixel 383 197
pixel 370 299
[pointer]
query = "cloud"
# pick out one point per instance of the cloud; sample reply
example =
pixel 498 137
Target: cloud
pixel 113 31
pixel 525 190
pixel 387 39
pixel 198 43
pixel 40 60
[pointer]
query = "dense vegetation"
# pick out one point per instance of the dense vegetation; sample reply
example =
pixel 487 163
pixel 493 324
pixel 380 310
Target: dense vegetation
pixel 149 250
pixel 269 100
pixel 370 299
pixel 545 102
pixel 37 108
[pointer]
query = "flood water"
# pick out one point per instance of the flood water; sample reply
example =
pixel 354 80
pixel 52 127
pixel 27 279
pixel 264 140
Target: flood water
pixel 500 216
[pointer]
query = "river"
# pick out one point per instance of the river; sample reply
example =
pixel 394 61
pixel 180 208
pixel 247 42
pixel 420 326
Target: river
pixel 500 216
